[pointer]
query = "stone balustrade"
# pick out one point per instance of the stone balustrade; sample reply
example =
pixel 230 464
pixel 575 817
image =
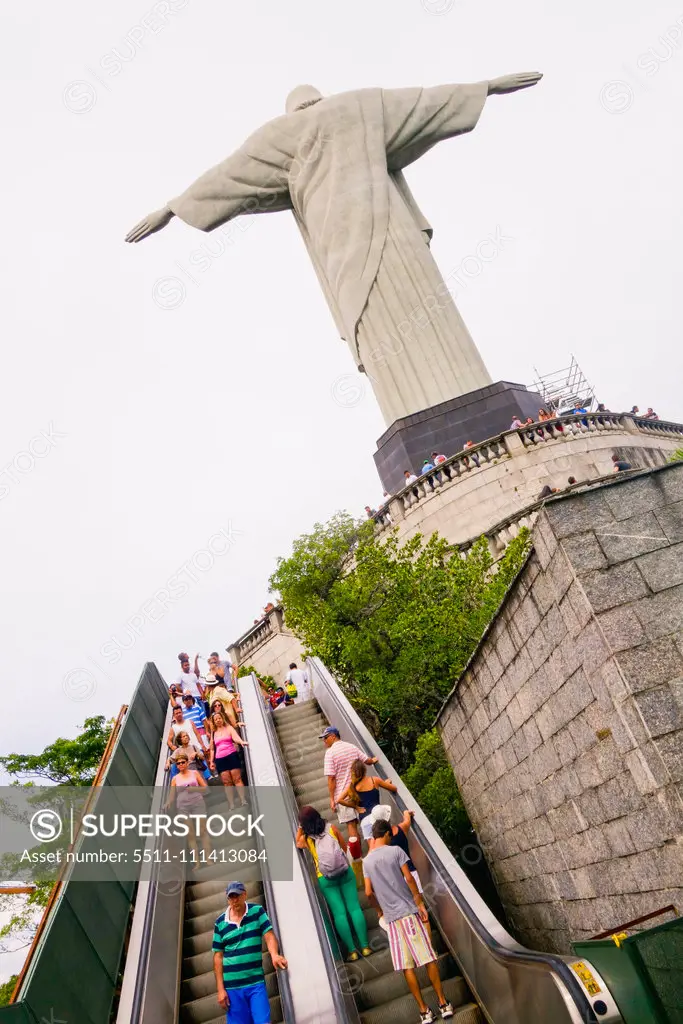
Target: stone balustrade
pixel 477 488
pixel 564 427
pixel 269 646
pixel 253 639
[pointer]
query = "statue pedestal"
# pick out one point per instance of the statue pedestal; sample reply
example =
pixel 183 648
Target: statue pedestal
pixel 446 427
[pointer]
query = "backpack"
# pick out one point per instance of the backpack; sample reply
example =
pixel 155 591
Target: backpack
pixel 332 860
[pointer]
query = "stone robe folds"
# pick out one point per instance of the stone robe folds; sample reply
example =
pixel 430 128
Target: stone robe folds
pixel 337 165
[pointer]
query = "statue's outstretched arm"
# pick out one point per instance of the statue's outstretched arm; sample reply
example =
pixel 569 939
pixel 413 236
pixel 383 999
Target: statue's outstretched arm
pixel 511 83
pixel 149 224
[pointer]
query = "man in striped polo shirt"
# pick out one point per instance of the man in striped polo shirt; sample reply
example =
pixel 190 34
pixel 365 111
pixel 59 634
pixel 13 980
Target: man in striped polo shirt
pixel 237 962
pixel 194 712
pixel 339 757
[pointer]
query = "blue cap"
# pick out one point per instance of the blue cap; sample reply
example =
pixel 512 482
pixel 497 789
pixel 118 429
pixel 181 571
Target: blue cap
pixel 330 731
pixel 234 887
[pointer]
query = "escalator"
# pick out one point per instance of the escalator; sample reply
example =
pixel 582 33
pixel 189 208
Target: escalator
pixel 169 976
pixel 486 974
pixel 380 992
pixel 204 902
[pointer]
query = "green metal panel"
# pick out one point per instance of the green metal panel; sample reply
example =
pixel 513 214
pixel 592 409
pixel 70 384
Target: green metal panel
pixel 75 971
pixel 644 973
pixel 70 981
pixel 658 957
pixel 616 967
pixel 17 1013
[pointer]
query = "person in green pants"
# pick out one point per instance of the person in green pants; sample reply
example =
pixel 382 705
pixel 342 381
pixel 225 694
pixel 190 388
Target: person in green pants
pixel 336 879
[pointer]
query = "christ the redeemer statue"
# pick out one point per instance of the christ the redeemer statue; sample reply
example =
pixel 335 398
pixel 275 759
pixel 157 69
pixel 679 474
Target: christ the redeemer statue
pixel 336 162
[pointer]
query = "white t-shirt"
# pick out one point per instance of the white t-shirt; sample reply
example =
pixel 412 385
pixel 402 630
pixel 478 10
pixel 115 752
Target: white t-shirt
pixel 188 681
pixel 186 726
pixel 298 677
pixel 410 479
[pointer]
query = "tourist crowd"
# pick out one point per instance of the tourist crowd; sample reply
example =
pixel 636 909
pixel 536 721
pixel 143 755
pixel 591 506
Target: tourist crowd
pixel 431 463
pixel 204 744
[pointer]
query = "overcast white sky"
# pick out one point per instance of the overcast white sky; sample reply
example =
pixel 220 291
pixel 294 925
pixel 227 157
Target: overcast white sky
pixel 235 409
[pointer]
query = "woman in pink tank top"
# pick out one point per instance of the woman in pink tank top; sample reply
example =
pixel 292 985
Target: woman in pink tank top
pixel 186 793
pixel 223 755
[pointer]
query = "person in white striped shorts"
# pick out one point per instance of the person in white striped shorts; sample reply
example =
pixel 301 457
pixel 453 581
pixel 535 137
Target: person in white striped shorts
pixel 391 889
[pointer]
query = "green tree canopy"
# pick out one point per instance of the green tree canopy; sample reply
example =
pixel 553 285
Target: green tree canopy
pixel 6 989
pixel 64 762
pixel 431 780
pixel 395 623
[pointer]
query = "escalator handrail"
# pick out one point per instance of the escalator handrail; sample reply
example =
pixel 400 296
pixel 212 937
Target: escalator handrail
pixel 284 988
pixel 343 1011
pixel 521 955
pixel 152 893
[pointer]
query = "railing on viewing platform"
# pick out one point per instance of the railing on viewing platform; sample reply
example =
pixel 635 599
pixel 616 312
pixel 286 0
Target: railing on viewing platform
pixel 506 445
pixel 241 649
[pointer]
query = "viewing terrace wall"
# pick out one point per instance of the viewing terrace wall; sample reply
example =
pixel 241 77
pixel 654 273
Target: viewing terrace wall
pixel 475 490
pixel 268 646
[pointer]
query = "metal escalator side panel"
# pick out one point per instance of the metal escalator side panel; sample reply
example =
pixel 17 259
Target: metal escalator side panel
pixel 151 980
pixel 513 985
pixel 257 770
pixel 316 990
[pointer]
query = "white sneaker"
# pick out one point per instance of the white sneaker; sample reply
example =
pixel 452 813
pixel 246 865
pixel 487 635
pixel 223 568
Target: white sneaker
pixel 446 1010
pixel 427 1017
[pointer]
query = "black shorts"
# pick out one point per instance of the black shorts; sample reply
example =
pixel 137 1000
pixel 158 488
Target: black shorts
pixel 230 763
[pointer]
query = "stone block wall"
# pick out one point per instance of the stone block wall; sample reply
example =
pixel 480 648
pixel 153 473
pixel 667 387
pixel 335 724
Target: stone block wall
pixel 565 732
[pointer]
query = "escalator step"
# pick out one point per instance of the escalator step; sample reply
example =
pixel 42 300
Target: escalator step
pixel 306 737
pixel 403 1010
pixel 312 791
pixel 202 963
pixel 193 945
pixel 387 987
pixel 290 728
pixel 204 985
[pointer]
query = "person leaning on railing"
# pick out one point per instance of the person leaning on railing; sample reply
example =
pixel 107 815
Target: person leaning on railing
pixel 410 478
pixel 543 415
pixel 438 458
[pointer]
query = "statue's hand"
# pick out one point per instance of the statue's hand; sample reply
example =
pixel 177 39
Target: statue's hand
pixel 151 223
pixel 511 83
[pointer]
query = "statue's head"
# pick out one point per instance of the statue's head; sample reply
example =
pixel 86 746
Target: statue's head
pixel 301 97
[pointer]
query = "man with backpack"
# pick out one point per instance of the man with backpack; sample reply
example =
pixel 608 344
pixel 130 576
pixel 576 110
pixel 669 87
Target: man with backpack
pixel 337 881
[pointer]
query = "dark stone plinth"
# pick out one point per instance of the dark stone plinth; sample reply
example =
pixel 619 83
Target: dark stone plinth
pixel 447 426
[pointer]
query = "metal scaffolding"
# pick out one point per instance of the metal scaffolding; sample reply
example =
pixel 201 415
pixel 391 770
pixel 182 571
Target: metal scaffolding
pixel 565 389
